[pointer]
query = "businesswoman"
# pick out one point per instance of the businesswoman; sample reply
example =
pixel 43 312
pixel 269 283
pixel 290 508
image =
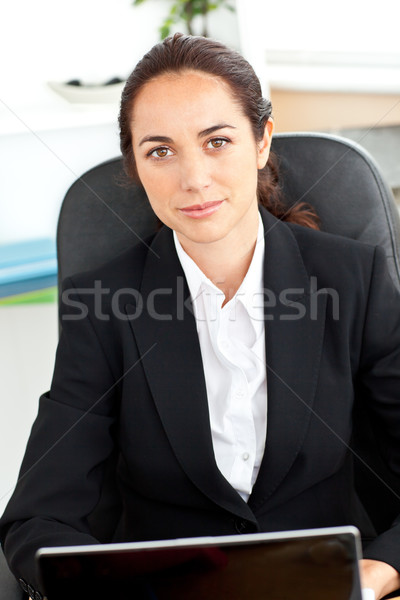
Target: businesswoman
pixel 226 382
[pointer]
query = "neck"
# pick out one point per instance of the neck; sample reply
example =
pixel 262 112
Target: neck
pixel 226 261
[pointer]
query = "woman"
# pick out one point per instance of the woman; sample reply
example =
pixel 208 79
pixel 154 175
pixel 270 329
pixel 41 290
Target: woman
pixel 230 402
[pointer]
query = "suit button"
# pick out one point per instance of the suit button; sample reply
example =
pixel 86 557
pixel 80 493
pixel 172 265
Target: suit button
pixel 23 585
pixel 241 526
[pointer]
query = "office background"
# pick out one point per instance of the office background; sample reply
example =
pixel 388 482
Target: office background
pixel 328 66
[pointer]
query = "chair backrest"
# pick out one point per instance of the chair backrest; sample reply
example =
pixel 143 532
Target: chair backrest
pixel 345 186
pixel 100 218
pixel 102 215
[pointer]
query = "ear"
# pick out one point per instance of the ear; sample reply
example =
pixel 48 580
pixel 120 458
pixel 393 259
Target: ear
pixel 265 144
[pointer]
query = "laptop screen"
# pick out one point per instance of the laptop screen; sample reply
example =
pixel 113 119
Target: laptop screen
pixel 299 565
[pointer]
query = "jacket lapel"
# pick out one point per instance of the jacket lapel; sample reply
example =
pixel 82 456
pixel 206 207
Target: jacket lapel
pixel 294 329
pixel 168 343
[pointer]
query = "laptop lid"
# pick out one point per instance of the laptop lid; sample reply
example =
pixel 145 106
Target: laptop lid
pixel 305 565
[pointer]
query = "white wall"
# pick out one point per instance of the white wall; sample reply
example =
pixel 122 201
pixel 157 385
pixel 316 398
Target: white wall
pixel 336 25
pixel 27 348
pixel 38 170
pixel 91 40
pixel 337 46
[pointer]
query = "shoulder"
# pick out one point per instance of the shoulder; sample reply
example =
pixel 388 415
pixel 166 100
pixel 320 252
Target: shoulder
pixel 333 255
pixel 312 240
pixel 317 248
pixel 336 260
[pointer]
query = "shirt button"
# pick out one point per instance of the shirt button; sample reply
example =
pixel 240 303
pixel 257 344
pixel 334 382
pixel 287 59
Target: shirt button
pixel 245 456
pixel 239 393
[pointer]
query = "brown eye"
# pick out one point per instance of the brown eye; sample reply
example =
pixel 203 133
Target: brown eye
pixel 161 152
pixel 217 143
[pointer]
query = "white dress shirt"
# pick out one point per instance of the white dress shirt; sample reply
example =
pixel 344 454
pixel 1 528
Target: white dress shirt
pixel 232 344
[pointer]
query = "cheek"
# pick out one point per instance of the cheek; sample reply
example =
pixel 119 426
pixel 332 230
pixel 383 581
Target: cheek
pixel 159 190
pixel 152 180
pixel 162 183
pixel 243 173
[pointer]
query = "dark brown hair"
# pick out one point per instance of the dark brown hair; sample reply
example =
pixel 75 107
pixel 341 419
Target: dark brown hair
pixel 182 52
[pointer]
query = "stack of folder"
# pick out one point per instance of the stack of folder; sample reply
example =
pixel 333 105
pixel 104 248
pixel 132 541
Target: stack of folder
pixel 28 272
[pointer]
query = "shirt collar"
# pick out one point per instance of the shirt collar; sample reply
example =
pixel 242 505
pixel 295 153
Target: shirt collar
pixel 251 285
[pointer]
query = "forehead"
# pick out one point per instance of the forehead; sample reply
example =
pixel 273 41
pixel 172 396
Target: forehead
pixel 190 96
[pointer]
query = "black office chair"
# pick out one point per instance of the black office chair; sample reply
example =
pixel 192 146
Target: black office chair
pixel 100 217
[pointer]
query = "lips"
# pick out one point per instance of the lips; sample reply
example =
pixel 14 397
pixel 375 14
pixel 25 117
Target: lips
pixel 198 211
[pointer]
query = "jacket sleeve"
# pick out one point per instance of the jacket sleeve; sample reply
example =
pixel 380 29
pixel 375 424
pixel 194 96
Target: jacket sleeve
pixel 379 380
pixel 60 479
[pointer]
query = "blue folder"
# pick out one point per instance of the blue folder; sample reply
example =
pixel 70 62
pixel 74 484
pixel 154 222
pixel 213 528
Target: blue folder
pixel 27 266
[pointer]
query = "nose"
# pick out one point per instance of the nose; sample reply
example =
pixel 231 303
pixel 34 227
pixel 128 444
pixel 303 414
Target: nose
pixel 195 173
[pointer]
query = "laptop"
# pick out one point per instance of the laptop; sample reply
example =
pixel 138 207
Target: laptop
pixel 309 564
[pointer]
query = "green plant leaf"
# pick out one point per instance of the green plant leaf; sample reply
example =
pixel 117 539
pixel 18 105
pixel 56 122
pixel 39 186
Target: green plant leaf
pixel 164 31
pixel 165 28
pixel 185 10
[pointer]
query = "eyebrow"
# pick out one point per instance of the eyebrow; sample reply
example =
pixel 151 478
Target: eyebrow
pixel 214 128
pixel 163 139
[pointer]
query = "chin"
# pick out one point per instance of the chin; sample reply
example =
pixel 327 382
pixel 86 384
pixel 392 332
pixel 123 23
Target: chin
pixel 201 237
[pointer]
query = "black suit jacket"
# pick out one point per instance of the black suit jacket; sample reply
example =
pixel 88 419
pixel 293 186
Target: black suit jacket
pixel 129 372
